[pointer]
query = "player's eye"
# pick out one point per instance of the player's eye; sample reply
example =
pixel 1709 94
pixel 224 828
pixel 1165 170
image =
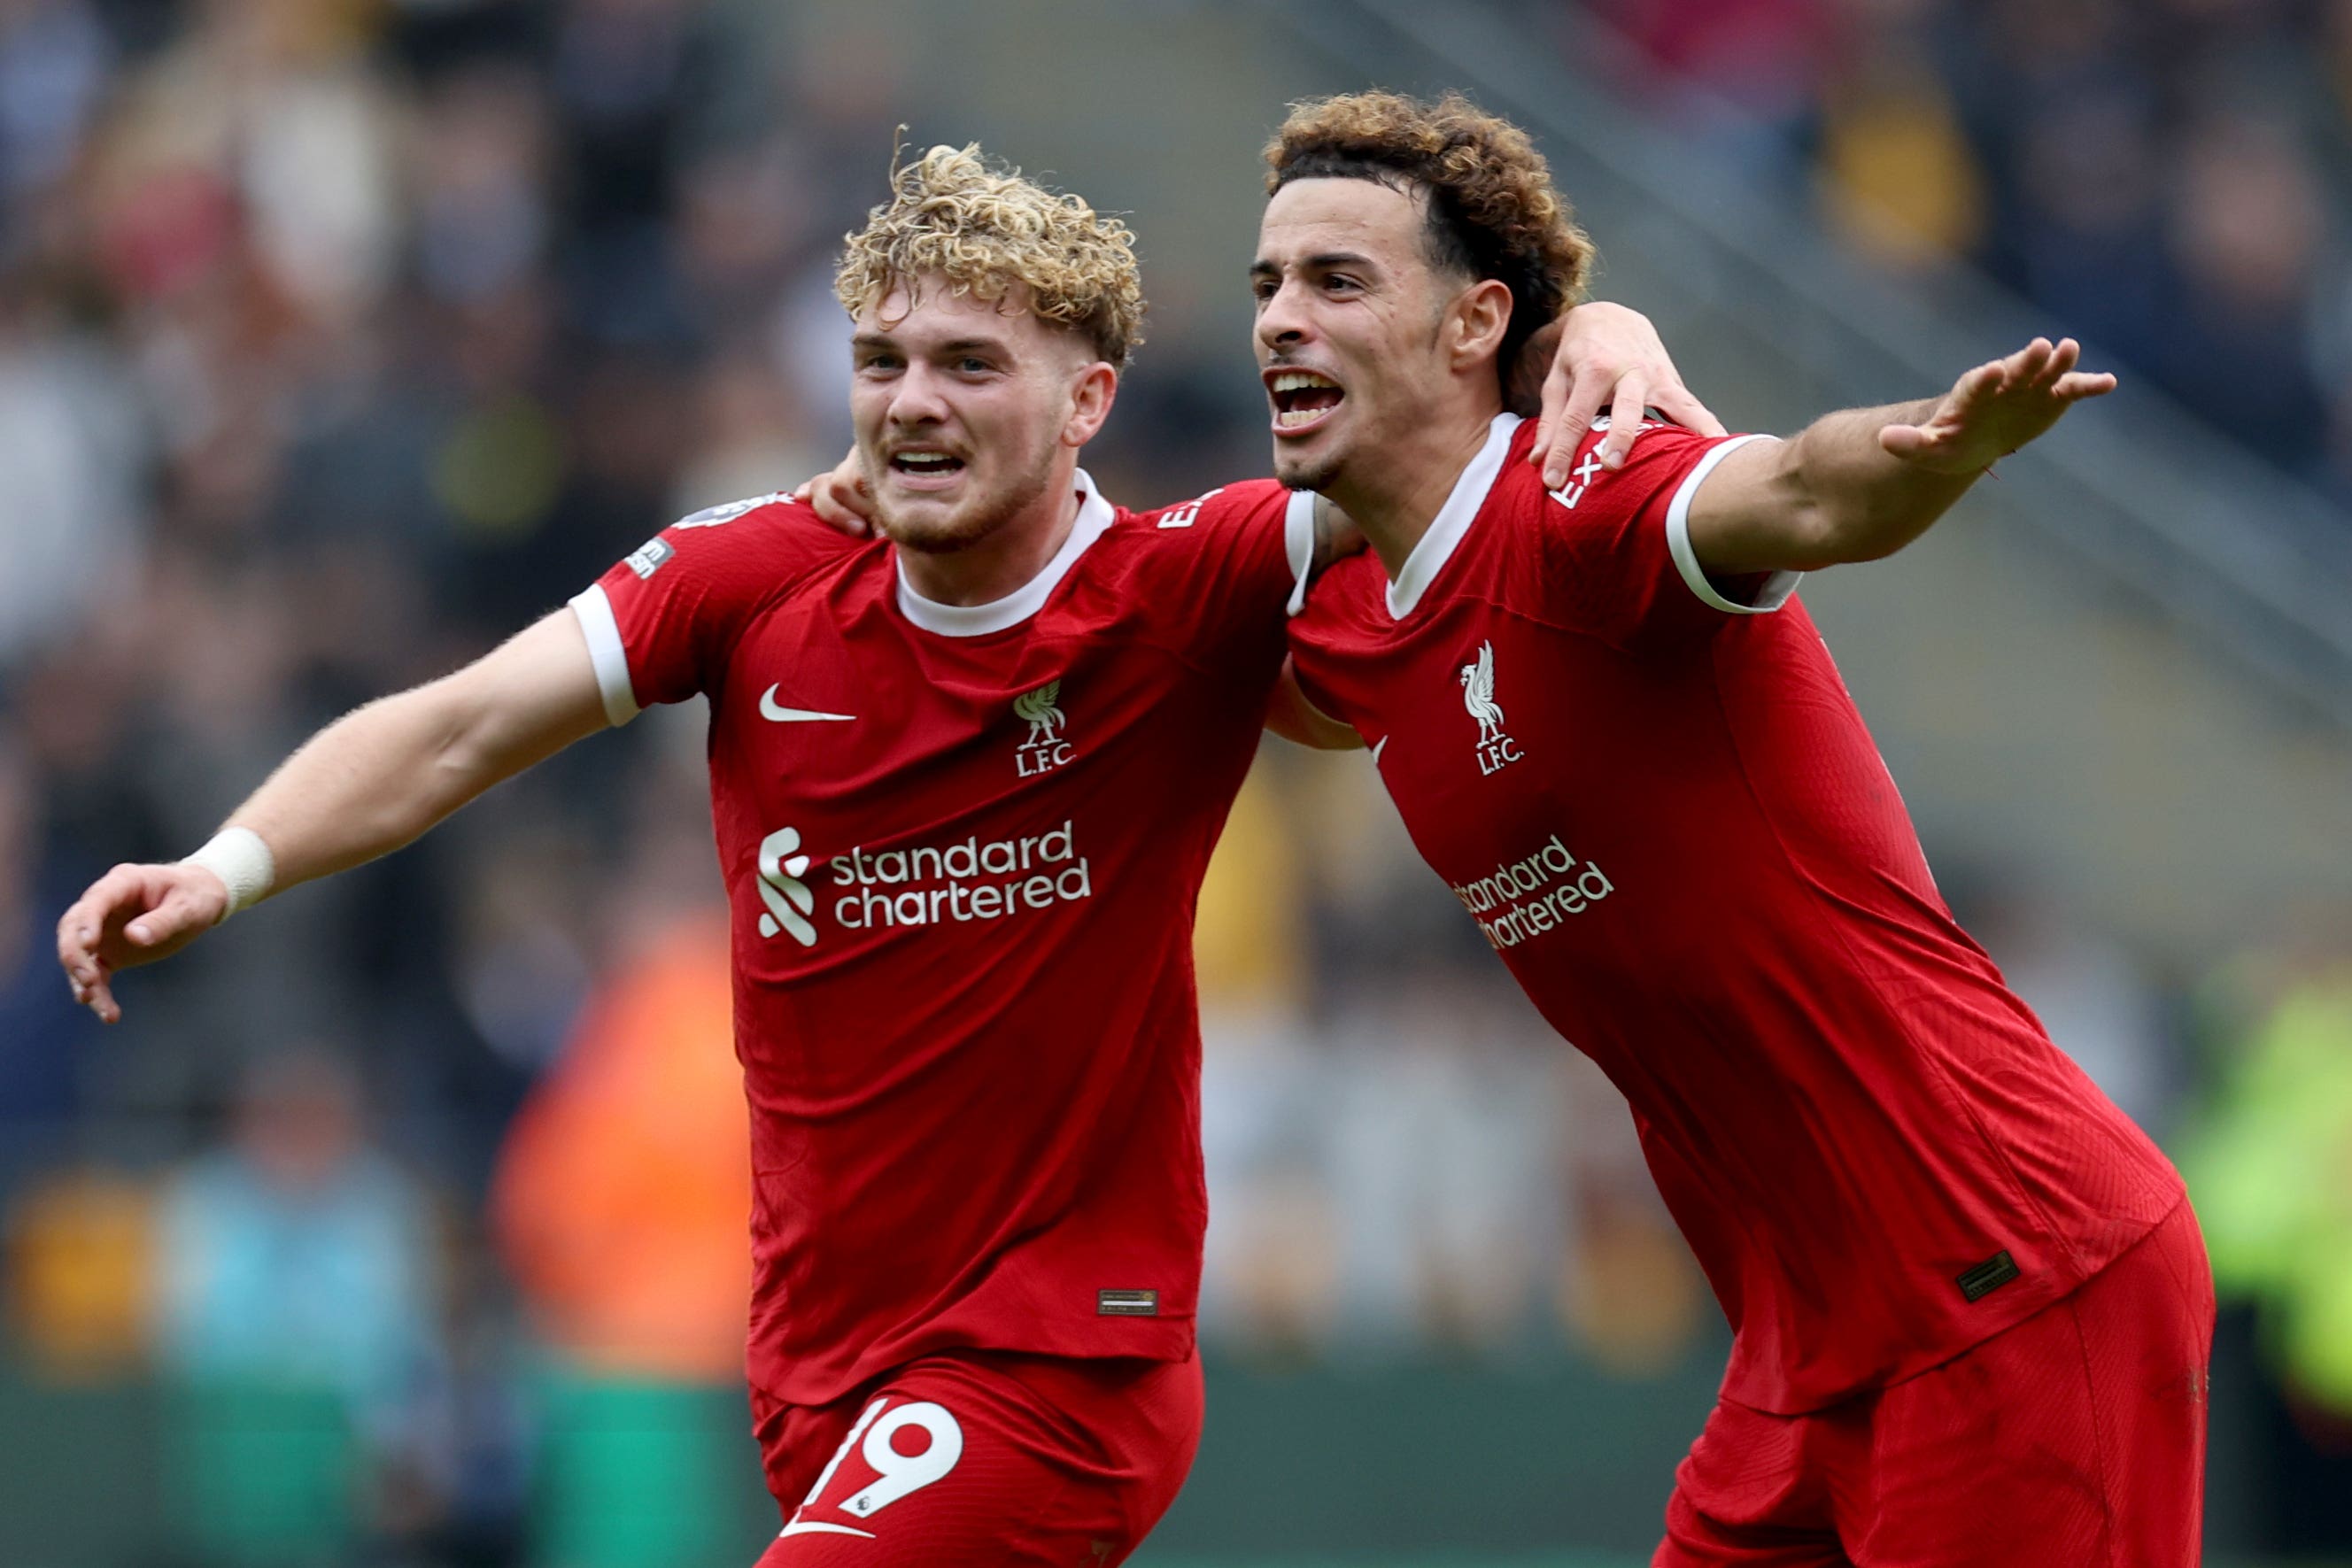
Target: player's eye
pixel 1339 283
pixel 1263 288
pixel 878 361
pixel 970 365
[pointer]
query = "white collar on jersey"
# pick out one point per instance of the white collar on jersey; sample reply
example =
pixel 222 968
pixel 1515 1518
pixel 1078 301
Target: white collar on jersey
pixel 1454 519
pixel 1094 515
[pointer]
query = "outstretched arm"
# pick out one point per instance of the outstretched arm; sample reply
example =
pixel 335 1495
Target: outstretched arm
pixel 1862 484
pixel 362 787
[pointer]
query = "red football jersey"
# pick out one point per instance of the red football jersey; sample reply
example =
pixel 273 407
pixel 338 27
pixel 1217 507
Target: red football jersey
pixel 962 847
pixel 1658 802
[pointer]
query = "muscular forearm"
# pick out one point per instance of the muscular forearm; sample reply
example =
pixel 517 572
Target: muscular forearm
pixel 381 776
pixel 1860 501
pixel 370 782
pixel 365 785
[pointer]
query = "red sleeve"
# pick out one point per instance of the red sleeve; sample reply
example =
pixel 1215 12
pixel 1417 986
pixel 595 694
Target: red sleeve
pixel 1616 544
pixel 662 622
pixel 1234 561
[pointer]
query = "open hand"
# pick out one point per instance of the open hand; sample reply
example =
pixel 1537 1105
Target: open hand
pixel 1997 408
pixel 1600 352
pixel 134 914
pixel 841 496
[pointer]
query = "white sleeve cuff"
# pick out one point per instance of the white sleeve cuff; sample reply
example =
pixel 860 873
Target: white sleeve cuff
pixel 1776 588
pixel 1298 540
pixel 606 654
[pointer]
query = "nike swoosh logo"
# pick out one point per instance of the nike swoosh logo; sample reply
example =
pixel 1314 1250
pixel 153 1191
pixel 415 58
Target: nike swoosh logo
pixel 1378 746
pixel 768 709
pixel 813 1527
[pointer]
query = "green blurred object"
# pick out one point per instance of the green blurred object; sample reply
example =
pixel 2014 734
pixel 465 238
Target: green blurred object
pixel 2271 1174
pixel 1524 1458
pixel 637 1472
pixel 263 1475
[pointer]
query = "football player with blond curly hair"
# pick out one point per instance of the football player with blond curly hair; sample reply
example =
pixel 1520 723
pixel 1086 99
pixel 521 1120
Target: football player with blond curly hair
pixel 965 779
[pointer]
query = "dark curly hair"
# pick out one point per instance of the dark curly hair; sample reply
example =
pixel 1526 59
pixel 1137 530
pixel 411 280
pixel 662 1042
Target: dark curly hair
pixel 1493 209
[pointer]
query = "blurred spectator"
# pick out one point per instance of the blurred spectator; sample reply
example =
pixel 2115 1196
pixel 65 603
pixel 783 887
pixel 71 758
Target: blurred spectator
pixel 1445 1123
pixel 2150 175
pixel 68 466
pixel 622 1201
pixel 2271 1169
pixel 1763 60
pixel 296 1290
pixel 40 1027
pixel 1901 180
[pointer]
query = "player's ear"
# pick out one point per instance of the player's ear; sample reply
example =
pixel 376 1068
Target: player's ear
pixel 1480 318
pixel 1091 396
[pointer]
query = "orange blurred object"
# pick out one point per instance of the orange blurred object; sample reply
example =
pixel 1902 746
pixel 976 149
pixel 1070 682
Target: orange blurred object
pixel 624 1195
pixel 80 1268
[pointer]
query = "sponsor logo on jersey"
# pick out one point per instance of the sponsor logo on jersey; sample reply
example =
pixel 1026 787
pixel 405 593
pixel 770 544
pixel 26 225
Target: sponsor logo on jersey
pixel 790 903
pixel 648 558
pixel 922 885
pixel 728 511
pixel 1496 750
pixel 1528 897
pixel 1044 749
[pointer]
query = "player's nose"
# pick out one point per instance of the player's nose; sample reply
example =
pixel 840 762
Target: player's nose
pixel 1284 322
pixel 918 397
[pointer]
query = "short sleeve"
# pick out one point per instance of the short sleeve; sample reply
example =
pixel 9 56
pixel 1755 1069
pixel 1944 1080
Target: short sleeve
pixel 662 622
pixel 1235 561
pixel 1616 543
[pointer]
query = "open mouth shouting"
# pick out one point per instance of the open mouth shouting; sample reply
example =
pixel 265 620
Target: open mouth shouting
pixel 1303 399
pixel 925 468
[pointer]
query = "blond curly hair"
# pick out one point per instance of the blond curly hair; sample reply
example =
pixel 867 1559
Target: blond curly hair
pixel 1493 209
pixel 984 228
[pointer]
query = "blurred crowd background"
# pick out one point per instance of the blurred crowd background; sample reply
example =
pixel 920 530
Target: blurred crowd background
pixel 401 1221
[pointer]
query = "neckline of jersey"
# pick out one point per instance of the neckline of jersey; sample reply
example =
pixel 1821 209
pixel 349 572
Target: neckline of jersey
pixel 1095 517
pixel 1428 558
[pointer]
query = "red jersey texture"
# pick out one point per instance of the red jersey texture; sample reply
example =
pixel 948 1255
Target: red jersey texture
pixel 962 847
pixel 1657 800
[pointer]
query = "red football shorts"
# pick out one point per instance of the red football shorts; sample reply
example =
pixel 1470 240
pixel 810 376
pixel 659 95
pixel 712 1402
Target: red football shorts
pixel 981 1457
pixel 2076 1437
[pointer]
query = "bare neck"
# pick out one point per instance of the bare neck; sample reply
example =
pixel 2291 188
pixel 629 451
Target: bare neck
pixel 1395 501
pixel 1006 560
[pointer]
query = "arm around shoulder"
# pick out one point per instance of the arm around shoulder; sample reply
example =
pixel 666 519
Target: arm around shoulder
pixel 1293 716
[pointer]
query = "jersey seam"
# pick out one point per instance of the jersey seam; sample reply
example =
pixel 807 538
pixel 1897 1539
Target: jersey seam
pixel 2099 1444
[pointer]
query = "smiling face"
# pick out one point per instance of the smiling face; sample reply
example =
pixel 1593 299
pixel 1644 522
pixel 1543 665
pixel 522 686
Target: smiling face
pixel 1362 341
pixel 968 412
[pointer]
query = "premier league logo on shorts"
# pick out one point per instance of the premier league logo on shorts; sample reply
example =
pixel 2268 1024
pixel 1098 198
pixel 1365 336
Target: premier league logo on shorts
pixel 1496 749
pixel 1045 750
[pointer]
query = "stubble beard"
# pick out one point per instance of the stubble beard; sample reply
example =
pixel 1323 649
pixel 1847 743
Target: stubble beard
pixel 1302 473
pixel 978 520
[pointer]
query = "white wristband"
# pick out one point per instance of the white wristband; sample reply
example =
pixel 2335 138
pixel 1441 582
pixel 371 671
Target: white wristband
pixel 240 858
